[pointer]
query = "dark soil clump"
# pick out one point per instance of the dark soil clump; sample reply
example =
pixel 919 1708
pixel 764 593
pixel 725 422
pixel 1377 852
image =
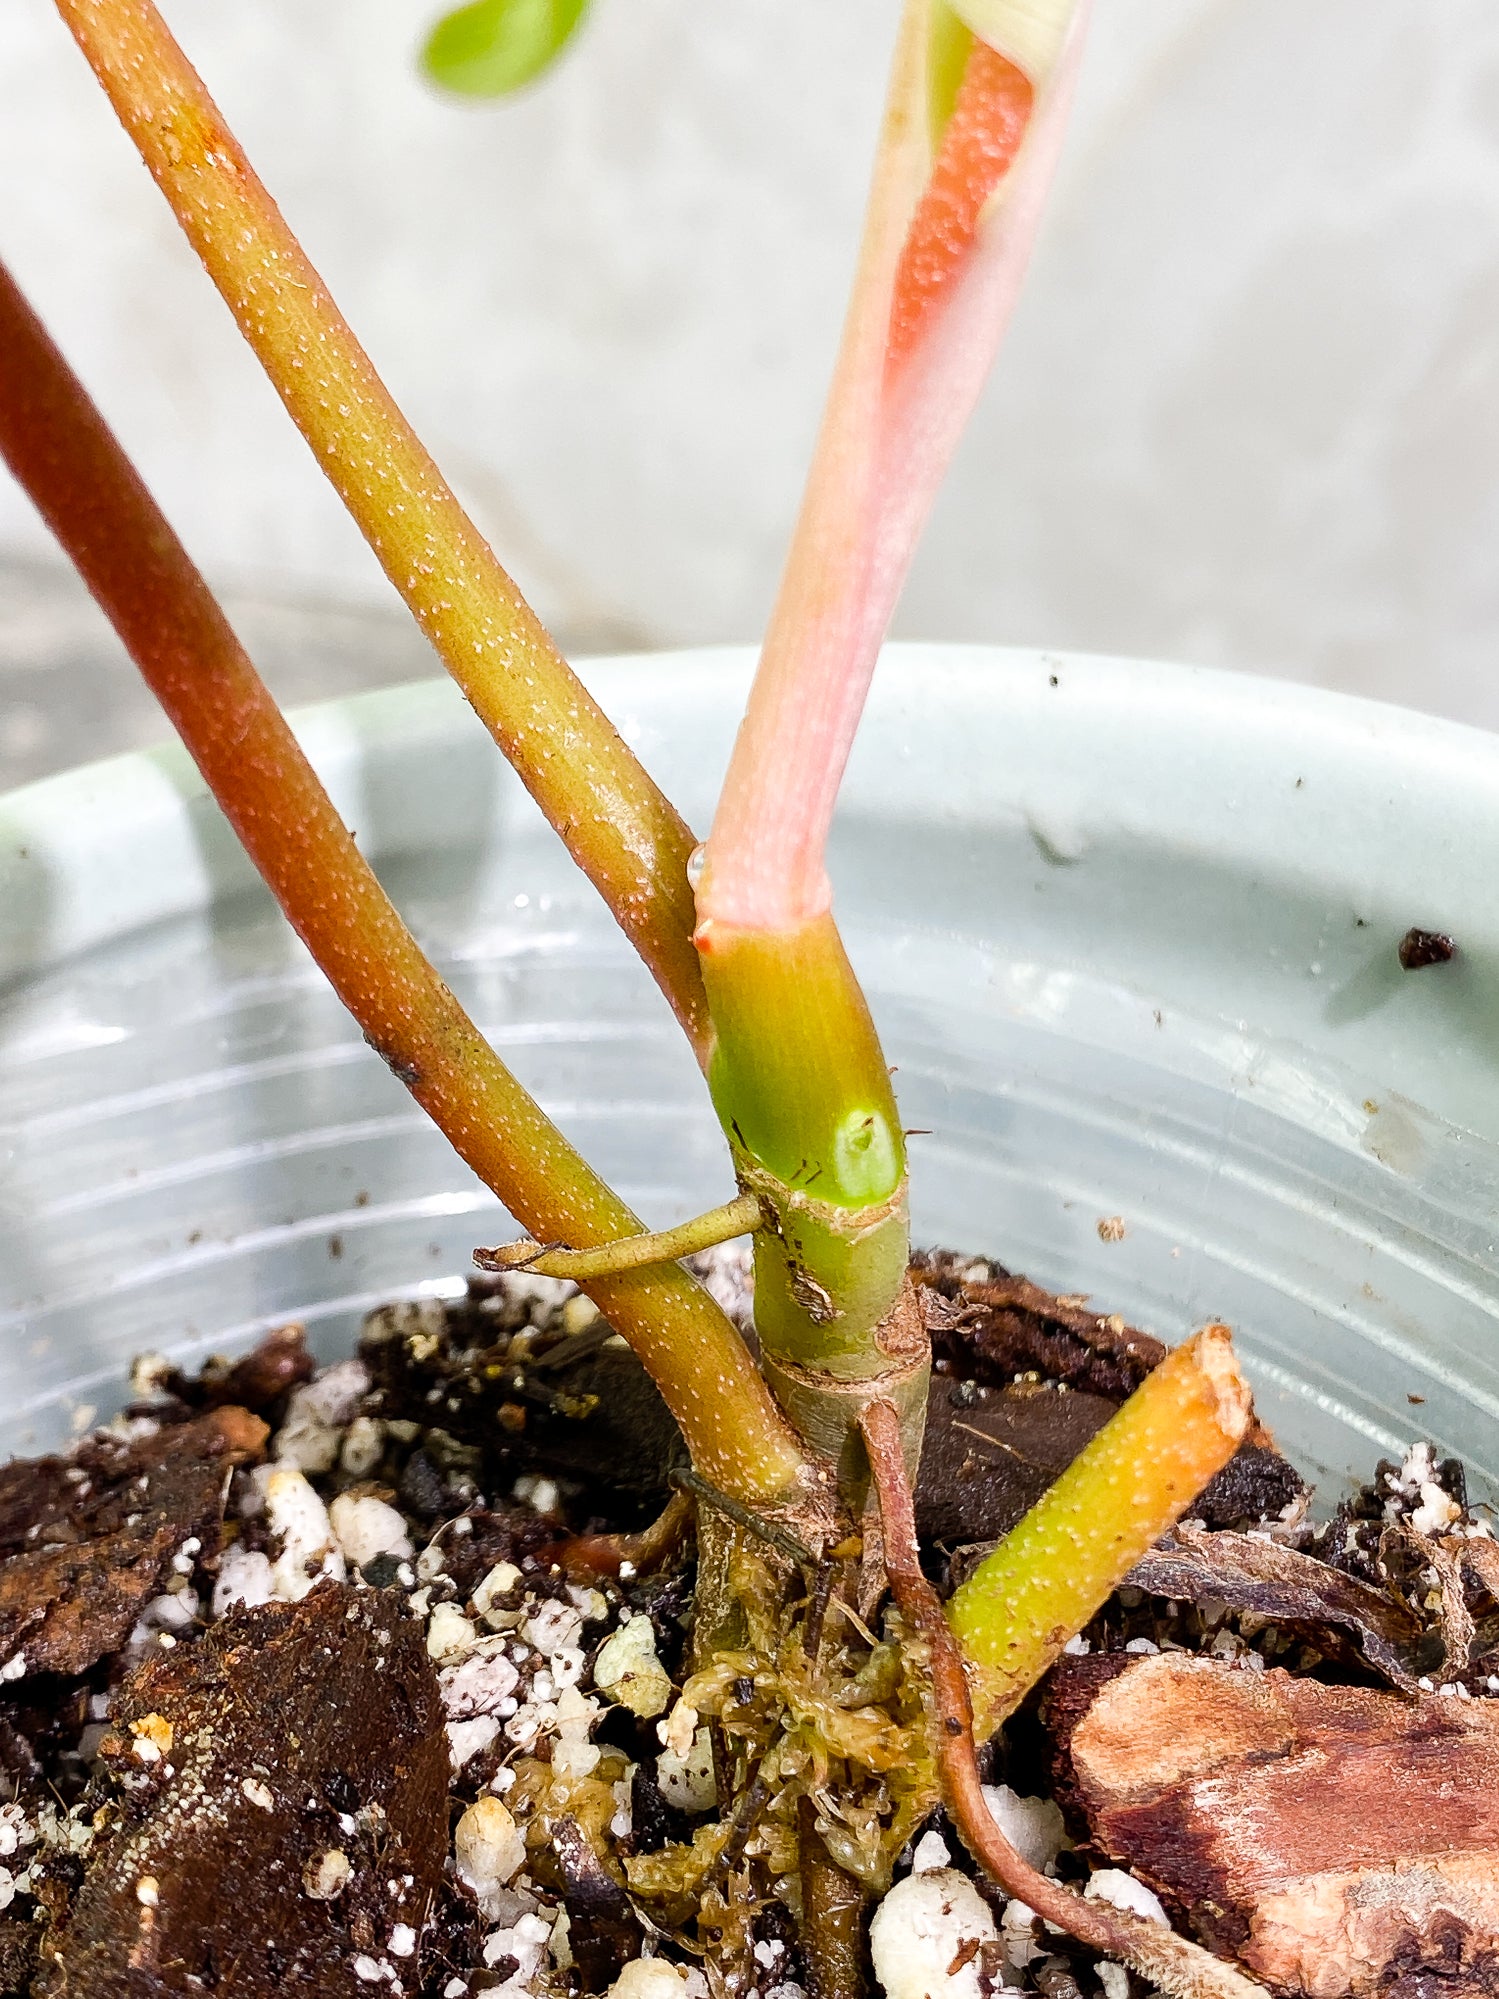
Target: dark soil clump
pixel 303 1689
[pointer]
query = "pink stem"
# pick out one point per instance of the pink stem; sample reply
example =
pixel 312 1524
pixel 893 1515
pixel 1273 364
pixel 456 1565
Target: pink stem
pixel 884 449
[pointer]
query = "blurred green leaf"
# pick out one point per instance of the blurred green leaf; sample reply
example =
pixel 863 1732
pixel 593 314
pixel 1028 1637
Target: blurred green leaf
pixel 493 46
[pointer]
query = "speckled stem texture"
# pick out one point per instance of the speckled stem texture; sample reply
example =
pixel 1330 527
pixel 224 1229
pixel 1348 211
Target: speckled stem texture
pixel 1169 1961
pixel 65 457
pixel 1118 1496
pixel 622 832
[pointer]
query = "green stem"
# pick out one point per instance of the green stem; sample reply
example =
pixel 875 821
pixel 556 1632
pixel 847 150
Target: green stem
pixel 741 1216
pixel 622 832
pixel 66 458
pixel 813 1127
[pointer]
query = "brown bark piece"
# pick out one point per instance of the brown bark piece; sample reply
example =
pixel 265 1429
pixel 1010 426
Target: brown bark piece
pixel 1260 1576
pixel 258 1380
pixel 988 1326
pixel 88 1540
pixel 288 1734
pixel 1340 1841
pixel 997 1326
pixel 989 1453
pixel 18 1942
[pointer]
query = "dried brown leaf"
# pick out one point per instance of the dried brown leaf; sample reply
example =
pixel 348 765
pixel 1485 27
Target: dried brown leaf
pixel 1274 1581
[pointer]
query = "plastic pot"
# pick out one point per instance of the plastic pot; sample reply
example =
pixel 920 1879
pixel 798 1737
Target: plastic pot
pixel 1130 932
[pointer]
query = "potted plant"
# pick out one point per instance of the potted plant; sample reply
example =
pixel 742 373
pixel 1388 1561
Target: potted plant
pixel 803 1450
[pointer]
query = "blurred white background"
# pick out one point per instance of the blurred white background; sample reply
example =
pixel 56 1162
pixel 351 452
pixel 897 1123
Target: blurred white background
pixel 1248 414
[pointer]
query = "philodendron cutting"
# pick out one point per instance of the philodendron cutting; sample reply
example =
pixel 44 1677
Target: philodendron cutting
pixel 738 932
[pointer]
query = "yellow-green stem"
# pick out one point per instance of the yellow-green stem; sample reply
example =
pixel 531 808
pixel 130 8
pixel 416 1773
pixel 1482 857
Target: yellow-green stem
pixel 802 1090
pixel 64 455
pixel 623 833
pixel 1078 1542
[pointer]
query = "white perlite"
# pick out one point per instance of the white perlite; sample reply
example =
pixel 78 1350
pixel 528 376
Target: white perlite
pixel 687 1781
pixel 244 1577
pixel 312 1435
pixel 925 1926
pixel 1112 1884
pixel 367 1528
pixel 551 1627
pixel 363 1446
pixel 299 1523
pixel 175 1611
pixel 500 1581
pixel 1437 1512
pixel 525 1942
pixel 486 1679
pixel 1019 1932
pixel 326 1875
pixel 450 1635
pixel 649 1978
pixel 574 1714
pixel 489 1851
pixel 466 1739
pixel 628 1671
pixel 1033 1826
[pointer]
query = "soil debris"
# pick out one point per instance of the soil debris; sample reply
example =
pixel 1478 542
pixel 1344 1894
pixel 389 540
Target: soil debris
pixel 291 1828
pixel 1419 948
pixel 555 1395
pixel 89 1541
pixel 569 1782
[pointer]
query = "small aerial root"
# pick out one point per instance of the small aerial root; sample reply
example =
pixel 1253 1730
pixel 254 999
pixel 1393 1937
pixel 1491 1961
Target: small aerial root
pixel 774 1533
pixel 608 1554
pixel 741 1216
pixel 1178 1966
pixel 832 1925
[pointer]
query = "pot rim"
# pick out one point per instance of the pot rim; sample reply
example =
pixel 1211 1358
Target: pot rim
pixel 1199 756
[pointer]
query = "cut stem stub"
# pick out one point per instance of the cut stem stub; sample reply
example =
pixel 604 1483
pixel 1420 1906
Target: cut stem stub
pixel 1178 1966
pixel 1118 1496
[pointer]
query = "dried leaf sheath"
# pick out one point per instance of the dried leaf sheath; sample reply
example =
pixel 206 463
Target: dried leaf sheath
pixel 64 455
pixel 622 832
